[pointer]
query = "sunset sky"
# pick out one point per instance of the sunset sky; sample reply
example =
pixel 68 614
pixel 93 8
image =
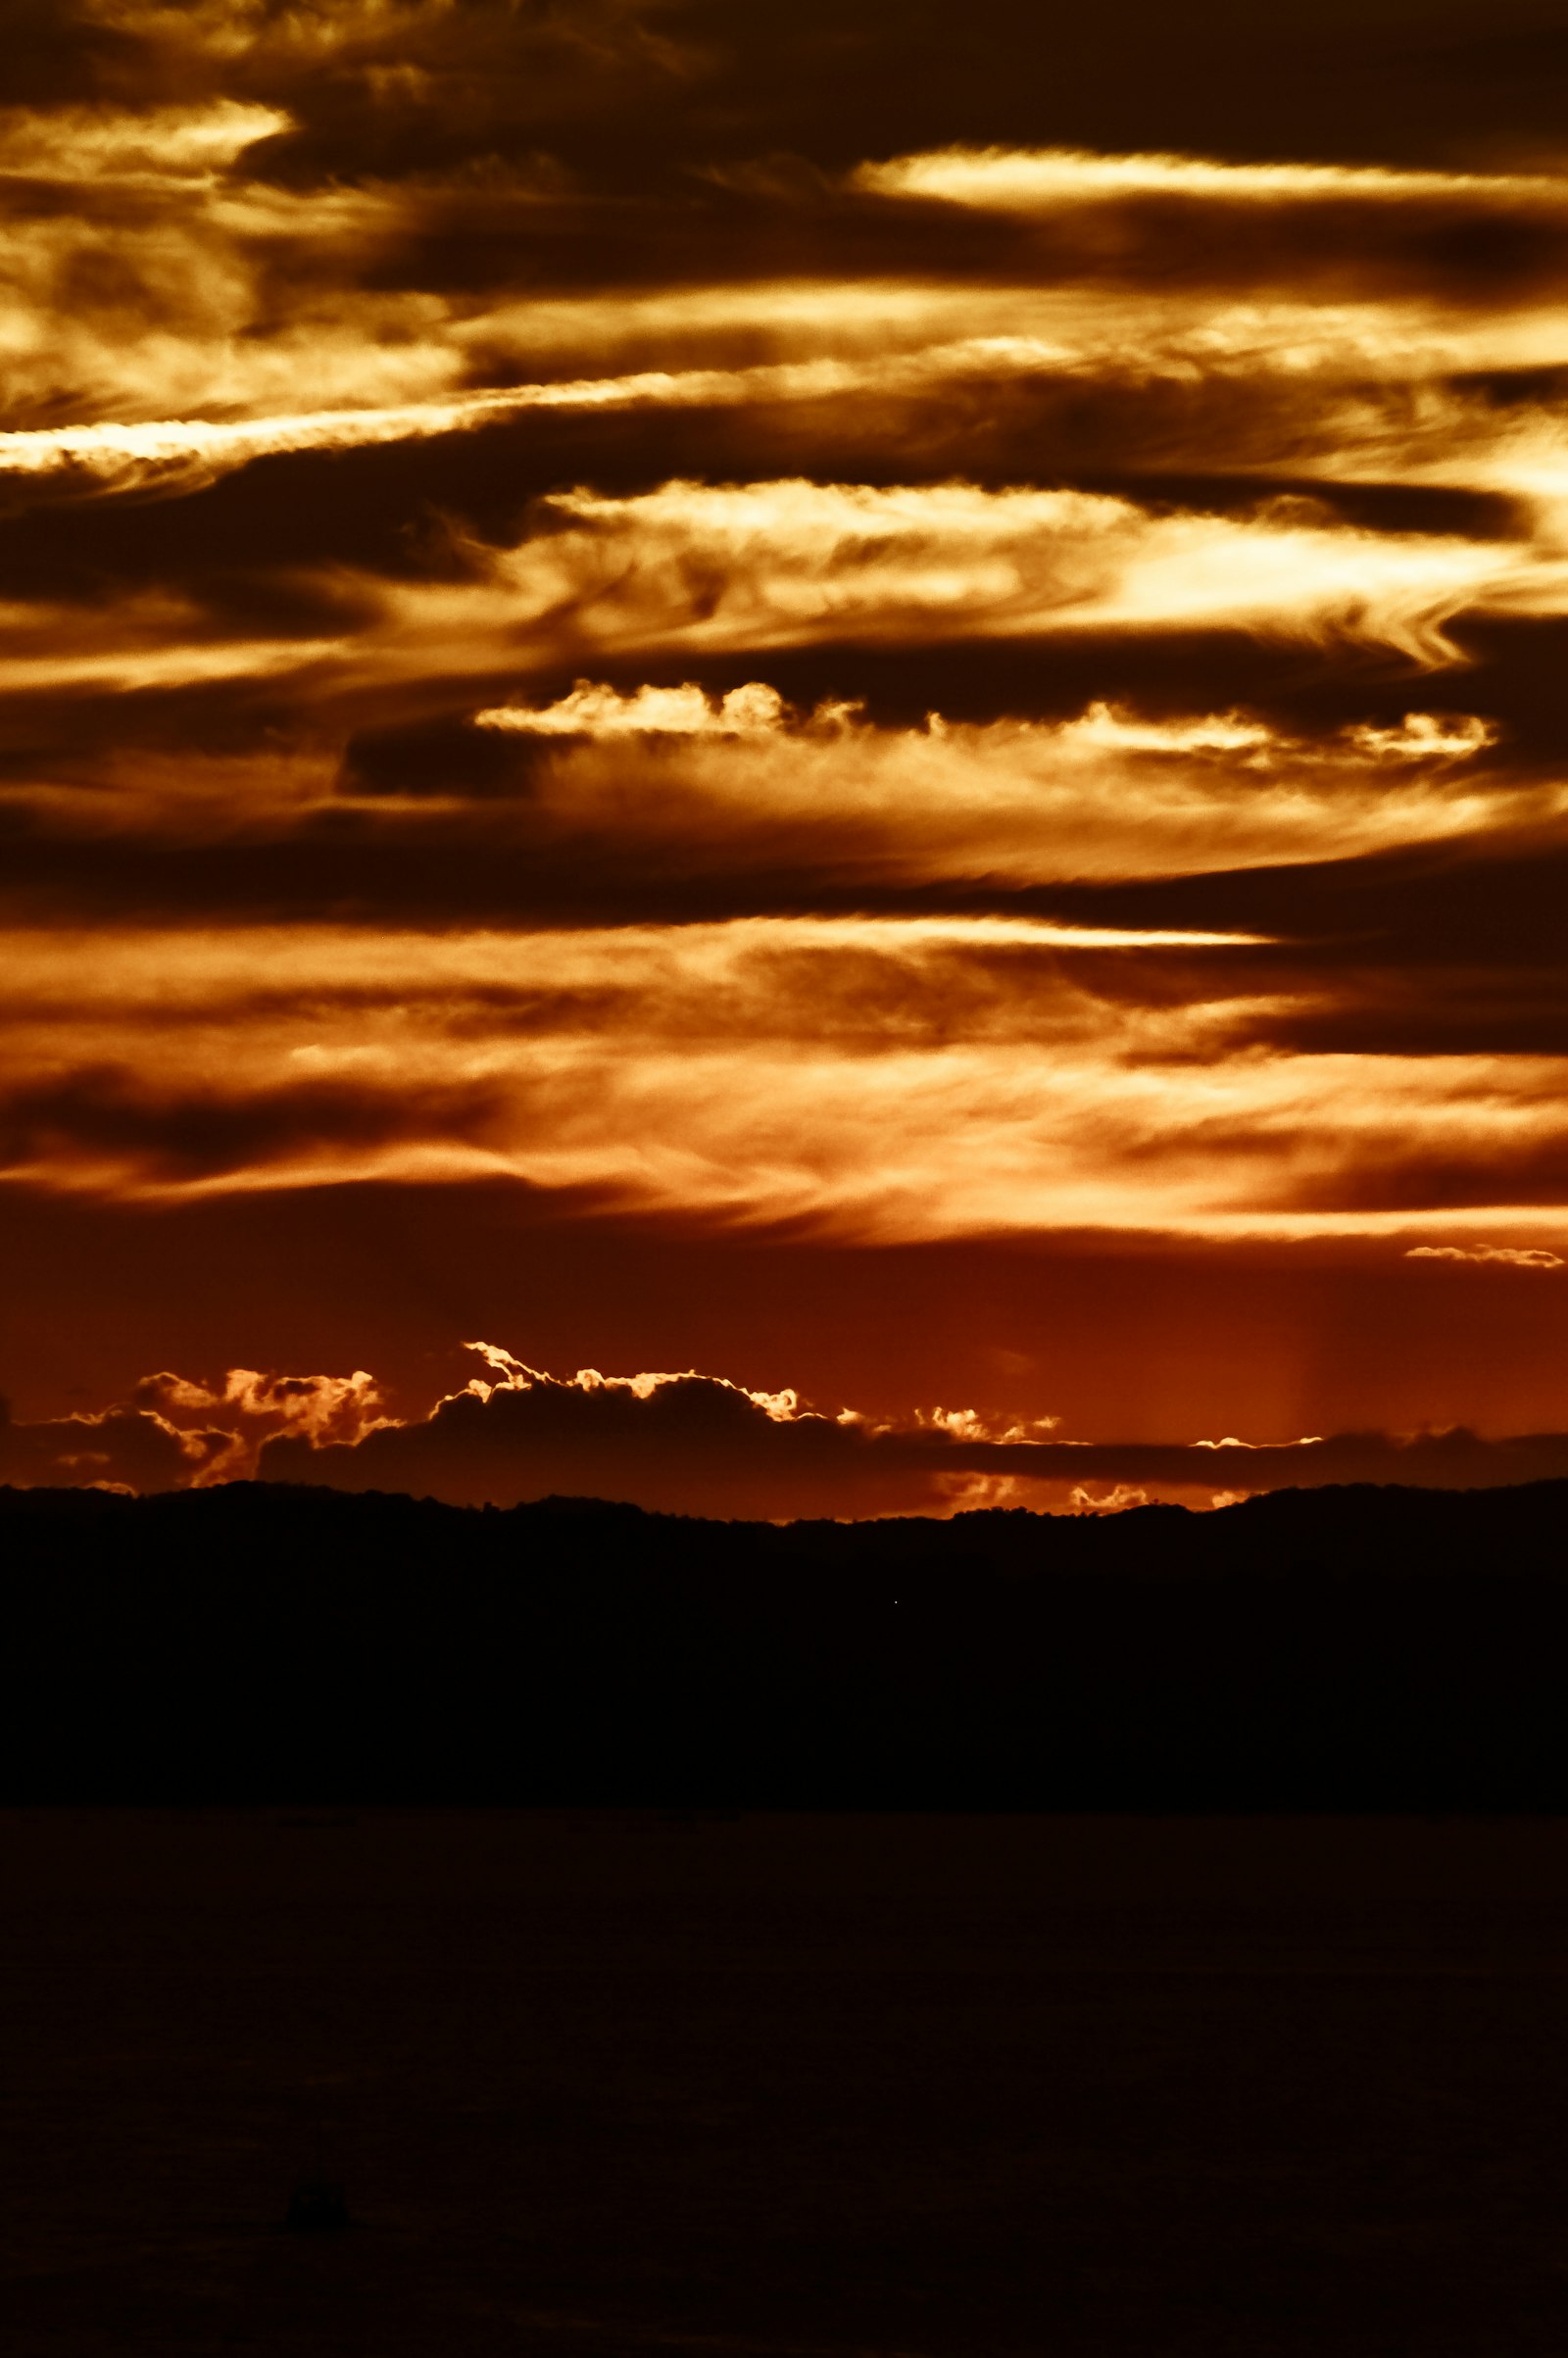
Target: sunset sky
pixel 865 705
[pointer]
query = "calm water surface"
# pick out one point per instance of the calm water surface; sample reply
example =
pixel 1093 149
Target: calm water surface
pixel 950 2086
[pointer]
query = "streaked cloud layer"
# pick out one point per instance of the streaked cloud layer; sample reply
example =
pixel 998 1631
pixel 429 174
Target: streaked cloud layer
pixel 627 606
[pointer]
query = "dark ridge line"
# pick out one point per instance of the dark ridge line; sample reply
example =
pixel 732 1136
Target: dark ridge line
pixel 1346 1649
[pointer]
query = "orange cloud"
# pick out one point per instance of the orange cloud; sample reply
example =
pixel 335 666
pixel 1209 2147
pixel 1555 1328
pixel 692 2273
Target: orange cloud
pixel 327 875
pixel 123 1447
pixel 696 568
pixel 691 1442
pixel 1111 793
pixel 1508 1256
pixel 97 143
pixel 890 1079
pixel 1323 389
pixel 696 1444
pixel 1030 180
pixel 754 709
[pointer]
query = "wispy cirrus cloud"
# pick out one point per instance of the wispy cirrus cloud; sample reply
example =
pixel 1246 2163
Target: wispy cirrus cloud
pixel 97 144
pixel 870 1078
pixel 698 570
pixel 707 569
pixel 1322 394
pixel 1031 179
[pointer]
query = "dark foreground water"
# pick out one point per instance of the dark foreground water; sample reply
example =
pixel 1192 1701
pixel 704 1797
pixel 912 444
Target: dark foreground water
pixel 607 2083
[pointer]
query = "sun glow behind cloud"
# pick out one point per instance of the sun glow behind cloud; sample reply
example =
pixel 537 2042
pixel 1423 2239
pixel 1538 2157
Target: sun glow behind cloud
pixel 676 1442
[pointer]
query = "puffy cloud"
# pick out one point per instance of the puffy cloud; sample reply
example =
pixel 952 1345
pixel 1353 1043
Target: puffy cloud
pixel 171 1432
pixel 323 1407
pixel 695 1443
pixel 667 1441
pixel 753 710
pixel 691 1442
pixel 741 781
pixel 1423 737
pixel 122 1448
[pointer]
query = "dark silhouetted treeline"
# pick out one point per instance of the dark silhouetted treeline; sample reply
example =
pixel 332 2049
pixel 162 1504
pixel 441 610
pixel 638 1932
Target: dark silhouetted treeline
pixel 1349 1648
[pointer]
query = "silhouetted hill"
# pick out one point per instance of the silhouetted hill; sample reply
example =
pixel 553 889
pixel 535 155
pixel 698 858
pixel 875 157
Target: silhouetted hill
pixel 1362 1648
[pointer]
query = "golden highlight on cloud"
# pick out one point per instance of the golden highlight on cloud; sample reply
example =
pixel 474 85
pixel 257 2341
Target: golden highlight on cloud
pixel 615 608
pixel 704 570
pixel 96 143
pixel 1030 180
pixel 395 349
pixel 390 369
pixel 878 1079
pixel 707 569
pixel 692 1443
pixel 744 779
pixel 753 710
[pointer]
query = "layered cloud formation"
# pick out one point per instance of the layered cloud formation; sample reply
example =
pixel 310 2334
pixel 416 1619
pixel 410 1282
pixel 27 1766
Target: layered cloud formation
pixel 626 602
pixel 692 1444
